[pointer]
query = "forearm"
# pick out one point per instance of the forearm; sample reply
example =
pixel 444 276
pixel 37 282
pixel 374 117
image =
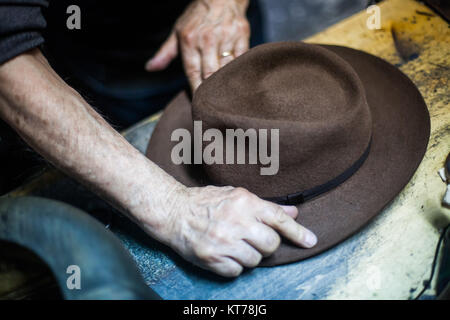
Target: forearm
pixel 55 120
pixel 219 228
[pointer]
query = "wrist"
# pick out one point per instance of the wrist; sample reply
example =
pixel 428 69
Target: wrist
pixel 158 203
pixel 241 5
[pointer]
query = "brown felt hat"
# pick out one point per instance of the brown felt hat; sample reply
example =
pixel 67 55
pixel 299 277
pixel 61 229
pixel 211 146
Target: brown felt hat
pixel 352 131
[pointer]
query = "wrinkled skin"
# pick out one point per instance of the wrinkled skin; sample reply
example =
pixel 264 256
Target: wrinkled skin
pixel 224 229
pixel 205 30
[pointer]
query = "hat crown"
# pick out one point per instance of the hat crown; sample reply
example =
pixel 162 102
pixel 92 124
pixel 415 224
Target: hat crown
pixel 312 96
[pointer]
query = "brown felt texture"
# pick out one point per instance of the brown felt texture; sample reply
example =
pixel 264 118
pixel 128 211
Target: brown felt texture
pixel 306 92
pixel 327 102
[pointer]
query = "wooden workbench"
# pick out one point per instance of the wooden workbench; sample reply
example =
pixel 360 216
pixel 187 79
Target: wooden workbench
pixel 389 258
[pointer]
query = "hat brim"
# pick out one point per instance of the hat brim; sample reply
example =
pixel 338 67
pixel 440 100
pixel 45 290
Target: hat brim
pixel 401 129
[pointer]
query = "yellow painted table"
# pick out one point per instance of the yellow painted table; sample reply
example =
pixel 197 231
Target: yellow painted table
pixel 392 256
pixel 418 41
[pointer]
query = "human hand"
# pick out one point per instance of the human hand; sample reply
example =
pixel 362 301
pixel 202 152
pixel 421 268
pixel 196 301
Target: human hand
pixel 224 229
pixel 209 34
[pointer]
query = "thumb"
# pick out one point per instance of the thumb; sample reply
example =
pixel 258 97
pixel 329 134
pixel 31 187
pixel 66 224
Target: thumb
pixel 165 54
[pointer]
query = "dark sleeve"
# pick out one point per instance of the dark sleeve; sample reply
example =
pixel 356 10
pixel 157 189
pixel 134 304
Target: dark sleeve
pixel 21 23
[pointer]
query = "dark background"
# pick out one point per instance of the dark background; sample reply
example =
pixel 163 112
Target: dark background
pixel 283 20
pixel 298 19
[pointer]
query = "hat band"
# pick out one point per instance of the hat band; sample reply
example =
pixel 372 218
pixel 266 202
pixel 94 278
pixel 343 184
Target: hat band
pixel 303 196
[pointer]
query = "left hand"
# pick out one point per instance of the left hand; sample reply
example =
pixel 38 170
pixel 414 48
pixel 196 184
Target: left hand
pixel 209 34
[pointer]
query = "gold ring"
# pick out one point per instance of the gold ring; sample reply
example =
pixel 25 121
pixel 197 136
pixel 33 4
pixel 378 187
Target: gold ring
pixel 225 54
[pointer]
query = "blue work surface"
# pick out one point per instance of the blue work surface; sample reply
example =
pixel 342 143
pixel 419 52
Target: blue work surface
pixel 387 259
pixel 173 278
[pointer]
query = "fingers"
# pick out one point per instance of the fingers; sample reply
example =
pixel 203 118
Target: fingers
pixel 226 47
pixel 165 54
pixel 198 34
pixel 210 61
pixel 232 263
pixel 291 211
pixel 192 67
pixel 226 267
pixel 245 254
pixel 262 238
pixel 278 219
pixel 241 46
pixel 199 64
pixel 233 229
pixel 212 57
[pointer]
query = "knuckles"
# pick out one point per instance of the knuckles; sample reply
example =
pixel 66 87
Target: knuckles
pixel 220 235
pixel 190 35
pixel 231 204
pixel 256 259
pixel 241 194
pixel 272 242
pixel 207 37
pixel 243 27
pixel 233 271
pixel 208 256
pixel 205 253
pixel 187 36
pixel 280 216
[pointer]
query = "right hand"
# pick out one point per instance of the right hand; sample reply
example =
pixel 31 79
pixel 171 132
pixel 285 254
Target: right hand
pixel 224 229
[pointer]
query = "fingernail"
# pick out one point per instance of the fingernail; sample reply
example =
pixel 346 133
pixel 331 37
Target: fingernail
pixel 310 239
